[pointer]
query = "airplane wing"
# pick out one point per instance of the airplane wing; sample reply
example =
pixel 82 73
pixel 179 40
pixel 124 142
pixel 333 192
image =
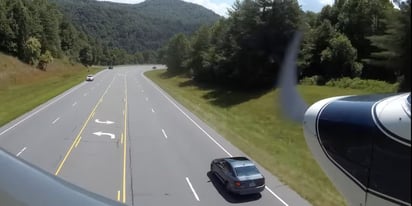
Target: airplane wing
pixel 22 183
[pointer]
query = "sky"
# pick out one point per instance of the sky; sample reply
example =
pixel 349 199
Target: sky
pixel 220 6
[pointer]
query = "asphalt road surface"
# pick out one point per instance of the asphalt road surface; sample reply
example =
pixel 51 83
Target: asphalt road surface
pixel 123 137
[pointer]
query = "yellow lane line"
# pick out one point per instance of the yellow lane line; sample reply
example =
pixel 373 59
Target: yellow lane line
pixel 118 195
pixel 78 141
pixel 73 144
pixel 125 144
pixel 81 131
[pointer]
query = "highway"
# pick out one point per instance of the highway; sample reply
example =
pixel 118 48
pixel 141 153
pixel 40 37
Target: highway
pixel 123 137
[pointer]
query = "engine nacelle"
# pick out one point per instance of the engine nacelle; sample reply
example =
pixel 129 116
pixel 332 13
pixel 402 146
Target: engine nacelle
pixel 363 143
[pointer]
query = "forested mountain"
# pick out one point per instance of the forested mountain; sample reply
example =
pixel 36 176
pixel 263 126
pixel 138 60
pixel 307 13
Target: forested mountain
pixel 138 27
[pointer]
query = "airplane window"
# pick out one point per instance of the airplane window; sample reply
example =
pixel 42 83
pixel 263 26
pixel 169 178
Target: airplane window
pixel 348 141
pixel 356 145
pixel 388 172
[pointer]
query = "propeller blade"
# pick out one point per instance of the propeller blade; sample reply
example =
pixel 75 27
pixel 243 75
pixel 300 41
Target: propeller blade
pixel 292 104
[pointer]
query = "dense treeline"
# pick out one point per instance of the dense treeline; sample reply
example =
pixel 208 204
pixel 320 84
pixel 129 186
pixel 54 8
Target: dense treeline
pixel 359 38
pixel 368 39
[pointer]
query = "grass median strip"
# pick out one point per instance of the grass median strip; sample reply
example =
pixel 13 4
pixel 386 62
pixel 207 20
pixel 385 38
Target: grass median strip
pixel 253 122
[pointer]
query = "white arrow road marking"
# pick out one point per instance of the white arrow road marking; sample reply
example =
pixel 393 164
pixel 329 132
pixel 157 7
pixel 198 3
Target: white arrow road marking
pixel 112 136
pixel 54 122
pixel 164 133
pixel 106 122
pixel 21 151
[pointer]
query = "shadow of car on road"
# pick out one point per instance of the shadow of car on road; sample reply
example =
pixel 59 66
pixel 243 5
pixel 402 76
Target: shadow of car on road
pixel 230 197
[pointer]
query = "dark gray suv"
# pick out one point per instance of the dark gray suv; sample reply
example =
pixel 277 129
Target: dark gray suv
pixel 238 174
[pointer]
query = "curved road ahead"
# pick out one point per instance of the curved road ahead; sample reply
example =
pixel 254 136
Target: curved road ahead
pixel 124 138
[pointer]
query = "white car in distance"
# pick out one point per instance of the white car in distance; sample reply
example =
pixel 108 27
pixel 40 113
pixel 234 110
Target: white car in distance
pixel 89 77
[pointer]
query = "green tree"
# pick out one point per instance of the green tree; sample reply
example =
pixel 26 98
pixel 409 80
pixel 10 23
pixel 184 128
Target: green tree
pixel 198 61
pixel 7 34
pixel 243 42
pixel 50 19
pixel 405 44
pixel 177 53
pixel 86 56
pixel 36 27
pixel 68 36
pixel 394 46
pixel 255 41
pixel 340 58
pixel 311 19
pixel 149 57
pixel 161 55
pixel 97 51
pixel 139 58
pixel 356 19
pixel 32 50
pixel 20 19
pixel 361 18
pixel 120 56
pixel 316 41
pixel 326 14
pixel 45 59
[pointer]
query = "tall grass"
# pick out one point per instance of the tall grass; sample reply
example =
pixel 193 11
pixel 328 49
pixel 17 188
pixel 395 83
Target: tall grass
pixel 372 86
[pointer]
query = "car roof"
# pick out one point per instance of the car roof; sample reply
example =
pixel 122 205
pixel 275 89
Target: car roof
pixel 239 161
